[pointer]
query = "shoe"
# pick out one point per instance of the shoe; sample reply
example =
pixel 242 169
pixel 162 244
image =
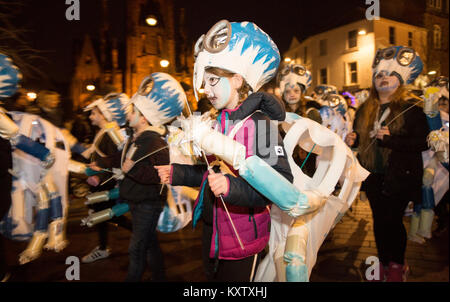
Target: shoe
pixel 397 272
pixel 96 254
pixel 412 235
pixel 5 278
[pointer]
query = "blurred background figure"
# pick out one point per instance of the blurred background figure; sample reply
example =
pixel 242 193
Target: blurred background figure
pixel 48 106
pixel 193 106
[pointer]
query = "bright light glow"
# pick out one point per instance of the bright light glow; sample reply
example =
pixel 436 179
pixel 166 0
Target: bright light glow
pixel 31 96
pixel 151 20
pixel 432 72
pixel 287 60
pixel 164 63
pixel 90 87
pixel 362 32
pixel 201 90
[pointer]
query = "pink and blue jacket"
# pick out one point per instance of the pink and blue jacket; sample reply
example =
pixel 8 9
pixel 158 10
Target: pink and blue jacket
pixel 248 209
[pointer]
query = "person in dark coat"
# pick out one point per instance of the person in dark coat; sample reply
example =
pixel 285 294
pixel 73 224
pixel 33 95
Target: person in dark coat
pixel 390 132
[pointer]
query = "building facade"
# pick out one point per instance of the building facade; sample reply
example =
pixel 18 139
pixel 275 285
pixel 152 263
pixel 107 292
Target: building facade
pixel 119 57
pixel 436 22
pixel 343 56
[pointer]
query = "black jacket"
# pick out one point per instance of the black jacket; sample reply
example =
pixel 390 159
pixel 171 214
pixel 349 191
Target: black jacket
pixel 142 183
pixel 404 167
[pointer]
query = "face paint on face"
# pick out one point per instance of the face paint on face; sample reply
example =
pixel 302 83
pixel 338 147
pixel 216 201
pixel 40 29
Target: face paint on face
pixel 133 116
pixel 217 90
pixel 385 83
pixel 292 94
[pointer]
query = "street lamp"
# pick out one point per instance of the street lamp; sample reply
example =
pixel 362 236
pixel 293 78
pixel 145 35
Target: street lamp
pixel 90 87
pixel 31 96
pixel 151 20
pixel 164 63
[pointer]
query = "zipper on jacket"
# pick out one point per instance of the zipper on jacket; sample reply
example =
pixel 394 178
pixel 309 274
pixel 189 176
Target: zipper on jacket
pixel 216 239
pixel 251 217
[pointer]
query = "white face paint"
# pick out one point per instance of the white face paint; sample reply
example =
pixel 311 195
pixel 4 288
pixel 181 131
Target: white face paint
pixel 292 94
pixel 133 116
pixel 385 83
pixel 217 90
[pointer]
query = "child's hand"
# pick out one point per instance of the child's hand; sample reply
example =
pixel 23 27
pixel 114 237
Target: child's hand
pixel 350 139
pixel 382 132
pixel 218 183
pixel 93 180
pixel 127 165
pixel 164 173
pixel 94 166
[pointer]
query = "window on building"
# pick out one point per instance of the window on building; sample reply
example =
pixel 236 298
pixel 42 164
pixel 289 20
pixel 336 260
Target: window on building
pixel 305 54
pixel 437 4
pixel 323 76
pixel 353 72
pixel 391 35
pixel 352 39
pixel 410 39
pixel 437 36
pixel 323 47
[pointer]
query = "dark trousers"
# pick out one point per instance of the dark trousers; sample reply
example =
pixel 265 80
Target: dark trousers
pixel 102 228
pixel 387 212
pixel 144 245
pixel 225 270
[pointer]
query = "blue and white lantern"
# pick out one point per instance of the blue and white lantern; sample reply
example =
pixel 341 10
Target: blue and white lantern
pixel 160 98
pixel 113 108
pixel 403 62
pixel 239 47
pixel 295 74
pixel 10 77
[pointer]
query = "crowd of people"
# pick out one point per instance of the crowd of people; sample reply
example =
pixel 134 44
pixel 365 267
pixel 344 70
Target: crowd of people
pixel 242 167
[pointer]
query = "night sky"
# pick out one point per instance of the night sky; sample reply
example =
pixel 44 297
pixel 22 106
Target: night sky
pixel 55 37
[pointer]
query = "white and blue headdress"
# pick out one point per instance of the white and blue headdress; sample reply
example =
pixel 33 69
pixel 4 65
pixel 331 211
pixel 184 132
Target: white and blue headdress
pixel 10 77
pixel 239 47
pixel 112 106
pixel 325 89
pixel 403 62
pixel 160 98
pixel 295 74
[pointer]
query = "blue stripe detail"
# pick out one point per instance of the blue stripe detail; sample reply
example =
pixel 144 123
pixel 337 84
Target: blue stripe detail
pixel 55 207
pixel 199 208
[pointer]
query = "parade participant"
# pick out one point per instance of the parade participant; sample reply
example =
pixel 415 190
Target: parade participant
pixel 159 99
pixel 39 189
pixel 294 80
pixel 103 112
pixel 232 60
pixel 435 179
pixel 9 81
pixel 335 115
pixel 392 133
pixel 47 106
